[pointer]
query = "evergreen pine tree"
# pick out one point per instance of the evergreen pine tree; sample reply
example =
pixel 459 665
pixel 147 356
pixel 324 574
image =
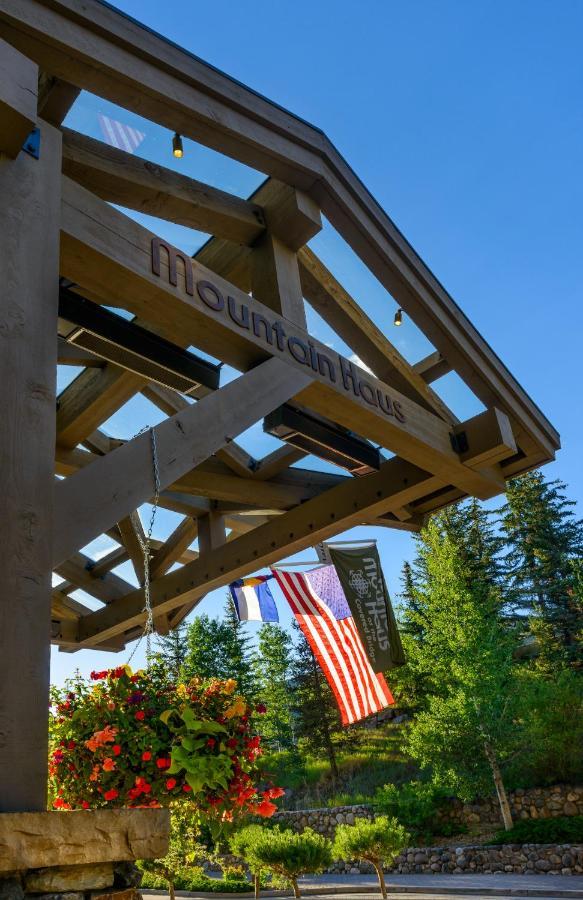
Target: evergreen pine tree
pixel 314 704
pixel 467 728
pixel 272 668
pixel 468 528
pixel 171 652
pixel 545 543
pixel 217 650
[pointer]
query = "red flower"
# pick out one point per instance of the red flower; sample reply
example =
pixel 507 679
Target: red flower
pixel 84 804
pixel 111 794
pixel 211 742
pixel 163 762
pixel 108 764
pixel 186 788
pixel 71 745
pixel 146 756
pixel 261 708
pixel 232 742
pixel 274 793
pixel 170 783
pixel 116 749
pixel 140 715
pixel 265 809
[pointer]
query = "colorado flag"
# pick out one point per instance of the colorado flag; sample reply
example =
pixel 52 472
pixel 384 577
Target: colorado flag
pixel 253 599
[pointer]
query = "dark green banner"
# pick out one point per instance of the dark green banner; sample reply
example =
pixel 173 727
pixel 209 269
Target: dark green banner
pixel 363 582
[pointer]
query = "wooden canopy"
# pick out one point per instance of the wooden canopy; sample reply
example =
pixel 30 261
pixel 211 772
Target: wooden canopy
pixel 241 300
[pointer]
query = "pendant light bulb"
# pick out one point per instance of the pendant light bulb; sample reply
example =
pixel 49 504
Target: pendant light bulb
pixel 398 320
pixel 177 148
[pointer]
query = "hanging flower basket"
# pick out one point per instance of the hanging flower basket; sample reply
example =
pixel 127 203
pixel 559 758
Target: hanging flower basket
pixel 125 739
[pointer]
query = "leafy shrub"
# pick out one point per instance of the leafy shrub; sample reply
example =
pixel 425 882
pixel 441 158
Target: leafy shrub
pixel 194 879
pixel 562 830
pixel 414 804
pixel 282 852
pixel 377 842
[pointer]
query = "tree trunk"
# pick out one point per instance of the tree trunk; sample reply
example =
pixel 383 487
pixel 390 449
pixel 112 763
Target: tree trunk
pixel 296 888
pixel 256 885
pixel 381 878
pixel 499 784
pixel 171 892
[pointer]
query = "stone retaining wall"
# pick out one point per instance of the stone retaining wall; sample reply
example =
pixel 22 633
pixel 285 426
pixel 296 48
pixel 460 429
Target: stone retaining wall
pixel 535 803
pixel 521 859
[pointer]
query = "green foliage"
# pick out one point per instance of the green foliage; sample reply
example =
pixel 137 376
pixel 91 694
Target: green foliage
pixel 218 649
pixel 545 545
pixel 415 804
pixel 193 879
pixel 551 708
pixel 562 830
pixel 378 842
pixel 283 852
pixel 272 670
pixel 468 725
pixel 315 709
pixel 171 652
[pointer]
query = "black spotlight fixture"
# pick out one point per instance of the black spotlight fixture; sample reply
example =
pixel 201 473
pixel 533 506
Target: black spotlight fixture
pixel 398 320
pixel 177 148
pixel 324 439
pixel 109 336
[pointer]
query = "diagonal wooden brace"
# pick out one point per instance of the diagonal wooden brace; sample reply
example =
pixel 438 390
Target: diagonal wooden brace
pixel 96 497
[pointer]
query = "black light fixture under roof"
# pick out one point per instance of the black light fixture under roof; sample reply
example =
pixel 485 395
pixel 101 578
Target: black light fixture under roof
pixel 324 439
pixel 109 336
pixel 177 148
pixel 398 320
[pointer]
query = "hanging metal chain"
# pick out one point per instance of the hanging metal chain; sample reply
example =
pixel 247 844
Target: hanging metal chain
pixel 145 542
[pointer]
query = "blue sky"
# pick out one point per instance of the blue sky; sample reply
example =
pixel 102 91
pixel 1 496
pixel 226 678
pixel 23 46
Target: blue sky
pixel 465 121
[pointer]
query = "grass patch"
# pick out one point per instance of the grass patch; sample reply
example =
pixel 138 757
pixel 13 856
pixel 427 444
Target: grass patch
pixel 366 758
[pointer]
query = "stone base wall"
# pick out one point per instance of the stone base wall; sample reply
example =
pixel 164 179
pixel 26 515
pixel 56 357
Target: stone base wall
pixel 81 855
pixel 520 859
pixel 97 881
pixel 535 803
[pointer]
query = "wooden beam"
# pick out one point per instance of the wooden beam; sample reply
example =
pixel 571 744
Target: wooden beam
pixel 360 333
pixel 18 99
pixel 136 183
pixel 240 490
pixel 275 462
pixel 397 483
pixel 55 98
pixel 130 65
pixel 131 530
pixel 395 487
pixel 113 559
pixel 237 459
pixel 172 550
pixel 109 254
pixel 90 501
pixel 275 278
pixel 106 587
pixel 432 367
pixel 91 399
pixel 29 273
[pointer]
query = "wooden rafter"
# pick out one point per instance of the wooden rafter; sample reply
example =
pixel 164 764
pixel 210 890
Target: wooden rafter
pixel 108 264
pixel 121 481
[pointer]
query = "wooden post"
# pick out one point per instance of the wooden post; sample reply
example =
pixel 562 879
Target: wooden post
pixel 29 269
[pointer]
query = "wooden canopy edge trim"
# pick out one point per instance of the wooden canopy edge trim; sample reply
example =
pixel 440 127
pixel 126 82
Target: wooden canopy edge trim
pixel 303 156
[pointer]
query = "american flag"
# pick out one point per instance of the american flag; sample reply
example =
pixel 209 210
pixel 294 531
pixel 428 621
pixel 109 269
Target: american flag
pixel 319 605
pixel 124 137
